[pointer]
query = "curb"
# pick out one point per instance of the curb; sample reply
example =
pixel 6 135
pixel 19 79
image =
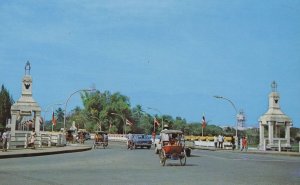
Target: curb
pixel 32 154
pixel 293 154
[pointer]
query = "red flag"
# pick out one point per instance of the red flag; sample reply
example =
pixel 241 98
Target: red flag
pixel 203 122
pixel 156 123
pixel 128 122
pixel 53 119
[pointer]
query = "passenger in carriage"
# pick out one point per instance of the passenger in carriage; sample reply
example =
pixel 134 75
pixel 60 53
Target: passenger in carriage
pixel 97 137
pixel 173 140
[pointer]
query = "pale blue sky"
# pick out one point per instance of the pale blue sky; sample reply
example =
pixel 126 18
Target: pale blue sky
pixel 170 55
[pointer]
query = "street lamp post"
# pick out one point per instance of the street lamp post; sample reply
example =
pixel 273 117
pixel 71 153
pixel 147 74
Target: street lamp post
pixel 124 121
pixel 65 110
pixel 162 119
pixel 221 97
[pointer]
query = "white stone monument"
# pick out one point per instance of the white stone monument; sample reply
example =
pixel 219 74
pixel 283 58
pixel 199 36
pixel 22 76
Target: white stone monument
pixel 274 120
pixel 25 113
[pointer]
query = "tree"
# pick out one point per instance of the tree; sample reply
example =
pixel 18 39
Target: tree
pixel 99 106
pixel 59 113
pixel 6 101
pixel 179 124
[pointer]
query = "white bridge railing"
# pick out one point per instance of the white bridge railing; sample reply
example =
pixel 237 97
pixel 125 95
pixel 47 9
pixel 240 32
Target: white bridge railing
pixel 278 143
pixel 22 139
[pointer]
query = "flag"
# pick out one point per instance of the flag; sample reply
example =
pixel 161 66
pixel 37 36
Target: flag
pixel 156 123
pixel 53 119
pixel 128 122
pixel 203 122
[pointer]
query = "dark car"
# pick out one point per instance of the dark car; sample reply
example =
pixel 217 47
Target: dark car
pixel 142 140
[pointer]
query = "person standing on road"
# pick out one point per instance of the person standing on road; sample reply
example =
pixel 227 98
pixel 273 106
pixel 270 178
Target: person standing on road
pixel 232 142
pixel 130 140
pixel 220 140
pixel 32 138
pixel 244 144
pixel 216 141
pixel 5 136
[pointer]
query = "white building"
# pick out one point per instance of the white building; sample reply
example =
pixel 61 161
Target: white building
pixel 273 121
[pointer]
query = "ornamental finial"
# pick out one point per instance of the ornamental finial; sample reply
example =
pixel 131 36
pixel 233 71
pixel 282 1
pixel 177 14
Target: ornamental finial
pixel 274 86
pixel 27 68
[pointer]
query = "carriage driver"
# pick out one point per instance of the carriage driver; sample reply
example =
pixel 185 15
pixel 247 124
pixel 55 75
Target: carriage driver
pixel 164 138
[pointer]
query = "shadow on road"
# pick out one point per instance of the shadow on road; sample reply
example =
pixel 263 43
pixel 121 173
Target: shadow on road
pixel 177 164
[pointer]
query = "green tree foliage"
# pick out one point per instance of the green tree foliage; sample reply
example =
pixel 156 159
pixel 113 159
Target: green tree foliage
pixel 179 124
pixel 6 101
pixel 59 113
pixel 99 106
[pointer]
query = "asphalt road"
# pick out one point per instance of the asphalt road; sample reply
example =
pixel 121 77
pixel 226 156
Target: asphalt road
pixel 117 165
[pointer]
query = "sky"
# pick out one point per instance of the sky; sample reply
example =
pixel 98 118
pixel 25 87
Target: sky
pixel 172 56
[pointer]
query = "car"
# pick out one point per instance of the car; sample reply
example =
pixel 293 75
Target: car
pixel 142 140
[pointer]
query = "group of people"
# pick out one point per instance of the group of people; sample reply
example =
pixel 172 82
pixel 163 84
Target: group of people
pixel 6 136
pixel 218 141
pixel 101 138
pixel 169 139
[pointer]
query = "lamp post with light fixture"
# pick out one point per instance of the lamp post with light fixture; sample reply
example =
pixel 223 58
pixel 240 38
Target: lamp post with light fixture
pixel 65 110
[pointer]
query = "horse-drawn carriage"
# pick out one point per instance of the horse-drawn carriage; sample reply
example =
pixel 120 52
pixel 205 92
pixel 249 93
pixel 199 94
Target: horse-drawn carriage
pixel 101 140
pixel 174 148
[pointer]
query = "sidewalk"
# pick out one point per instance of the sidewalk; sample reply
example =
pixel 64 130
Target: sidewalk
pixel 43 151
pixel 251 151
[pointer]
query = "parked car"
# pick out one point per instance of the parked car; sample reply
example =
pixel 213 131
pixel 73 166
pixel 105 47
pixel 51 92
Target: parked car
pixel 142 140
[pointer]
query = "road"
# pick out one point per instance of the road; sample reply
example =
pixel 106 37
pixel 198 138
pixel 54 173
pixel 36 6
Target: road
pixel 117 165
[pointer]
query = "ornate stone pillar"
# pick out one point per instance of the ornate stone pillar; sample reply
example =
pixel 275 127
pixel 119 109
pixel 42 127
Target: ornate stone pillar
pixel 37 116
pixel 287 134
pixel 276 130
pixel 13 122
pixel 261 134
pixel 271 131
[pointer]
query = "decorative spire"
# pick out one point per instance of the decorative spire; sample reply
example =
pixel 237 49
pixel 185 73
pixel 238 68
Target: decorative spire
pixel 27 68
pixel 274 86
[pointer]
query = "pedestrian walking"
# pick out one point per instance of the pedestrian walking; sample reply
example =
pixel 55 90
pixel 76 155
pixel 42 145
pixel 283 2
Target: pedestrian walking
pixel 5 137
pixel 244 144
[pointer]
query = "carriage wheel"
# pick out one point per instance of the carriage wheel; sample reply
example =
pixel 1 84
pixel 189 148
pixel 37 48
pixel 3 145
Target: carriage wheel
pixel 183 159
pixel 163 158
